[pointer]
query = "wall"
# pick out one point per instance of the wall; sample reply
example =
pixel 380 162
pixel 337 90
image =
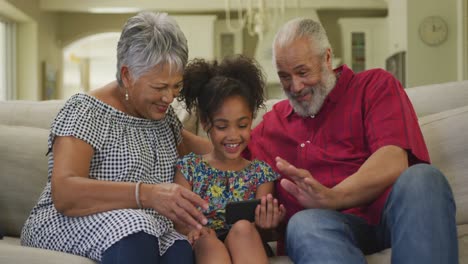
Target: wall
pixel 74 26
pixel 329 19
pixel 462 33
pixel 36 43
pixel 50 51
pixel 27 66
pixel 397 26
pixel 78 26
pixel 426 64
pixel 42 35
pixel 264 52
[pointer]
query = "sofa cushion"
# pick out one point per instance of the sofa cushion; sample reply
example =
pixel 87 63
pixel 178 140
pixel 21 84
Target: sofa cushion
pixel 23 172
pixel 12 252
pixel 445 136
pixel 435 98
pixel 463 243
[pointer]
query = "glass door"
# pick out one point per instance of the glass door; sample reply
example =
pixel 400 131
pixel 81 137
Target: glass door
pixel 358 51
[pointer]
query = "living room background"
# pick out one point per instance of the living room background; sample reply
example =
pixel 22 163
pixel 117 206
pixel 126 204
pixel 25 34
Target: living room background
pixel 46 28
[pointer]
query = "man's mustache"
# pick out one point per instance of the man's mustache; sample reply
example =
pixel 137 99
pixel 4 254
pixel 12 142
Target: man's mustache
pixel 303 92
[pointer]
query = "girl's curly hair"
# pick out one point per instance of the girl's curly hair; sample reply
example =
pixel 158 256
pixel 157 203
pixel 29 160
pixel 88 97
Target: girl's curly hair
pixel 208 84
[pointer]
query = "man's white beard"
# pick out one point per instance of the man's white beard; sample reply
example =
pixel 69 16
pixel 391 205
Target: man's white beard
pixel 319 93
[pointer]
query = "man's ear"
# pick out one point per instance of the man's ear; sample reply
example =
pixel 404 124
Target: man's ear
pixel 125 76
pixel 328 59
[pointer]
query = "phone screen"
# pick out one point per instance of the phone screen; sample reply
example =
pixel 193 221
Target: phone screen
pixel 236 211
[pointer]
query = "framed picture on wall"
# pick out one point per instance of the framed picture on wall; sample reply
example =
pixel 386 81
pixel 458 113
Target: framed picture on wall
pixel 395 64
pixel 49 81
pixel 226 42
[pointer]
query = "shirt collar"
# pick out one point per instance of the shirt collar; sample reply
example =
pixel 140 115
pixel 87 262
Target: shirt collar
pixel 343 77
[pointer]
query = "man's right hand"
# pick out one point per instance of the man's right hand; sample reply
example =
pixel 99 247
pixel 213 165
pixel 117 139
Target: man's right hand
pixel 308 191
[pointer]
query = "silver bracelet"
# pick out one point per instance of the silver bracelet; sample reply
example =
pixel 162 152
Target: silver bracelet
pixel 137 194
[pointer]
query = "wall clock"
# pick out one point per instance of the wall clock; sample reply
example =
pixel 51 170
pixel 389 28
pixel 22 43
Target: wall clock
pixel 433 30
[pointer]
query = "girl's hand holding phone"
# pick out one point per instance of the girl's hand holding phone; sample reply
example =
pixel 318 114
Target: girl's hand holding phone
pixel 268 213
pixel 195 234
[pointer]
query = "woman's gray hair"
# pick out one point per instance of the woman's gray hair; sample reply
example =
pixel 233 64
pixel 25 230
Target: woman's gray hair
pixel 302 27
pixel 149 39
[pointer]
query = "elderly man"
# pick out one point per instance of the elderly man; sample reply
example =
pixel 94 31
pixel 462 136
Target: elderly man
pixel 354 167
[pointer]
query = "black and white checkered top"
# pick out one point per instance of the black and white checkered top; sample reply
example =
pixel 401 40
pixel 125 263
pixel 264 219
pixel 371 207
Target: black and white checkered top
pixel 126 149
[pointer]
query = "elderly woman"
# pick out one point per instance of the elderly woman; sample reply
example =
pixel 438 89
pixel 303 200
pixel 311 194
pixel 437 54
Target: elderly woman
pixel 110 195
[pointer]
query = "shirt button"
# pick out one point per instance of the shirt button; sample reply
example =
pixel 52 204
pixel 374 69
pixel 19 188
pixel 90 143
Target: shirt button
pixel 302 145
pixel 308 142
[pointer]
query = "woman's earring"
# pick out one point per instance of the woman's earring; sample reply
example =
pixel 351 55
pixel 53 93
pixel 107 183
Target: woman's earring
pixel 126 95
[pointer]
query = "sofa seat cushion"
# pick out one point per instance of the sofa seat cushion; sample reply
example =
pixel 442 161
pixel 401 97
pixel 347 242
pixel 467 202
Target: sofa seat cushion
pixel 445 136
pixel 463 243
pixel 12 252
pixel 23 164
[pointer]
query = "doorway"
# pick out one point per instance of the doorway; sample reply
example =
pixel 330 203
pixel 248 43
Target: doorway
pixel 89 63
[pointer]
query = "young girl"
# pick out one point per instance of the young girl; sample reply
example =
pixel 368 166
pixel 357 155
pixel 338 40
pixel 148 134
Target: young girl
pixel 226 97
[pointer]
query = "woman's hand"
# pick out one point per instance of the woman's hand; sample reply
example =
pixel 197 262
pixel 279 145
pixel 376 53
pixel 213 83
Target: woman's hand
pixel 268 213
pixel 175 202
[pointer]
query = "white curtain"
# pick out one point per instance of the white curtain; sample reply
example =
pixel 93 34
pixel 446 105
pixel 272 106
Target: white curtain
pixel 7 60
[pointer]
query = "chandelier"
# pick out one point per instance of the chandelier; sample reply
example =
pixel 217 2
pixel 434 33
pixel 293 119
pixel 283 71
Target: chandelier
pixel 257 16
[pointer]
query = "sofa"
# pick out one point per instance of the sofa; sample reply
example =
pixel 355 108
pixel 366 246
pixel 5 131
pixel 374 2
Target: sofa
pixel 443 116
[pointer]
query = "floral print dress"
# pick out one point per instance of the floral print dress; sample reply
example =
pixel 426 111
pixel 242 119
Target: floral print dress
pixel 219 187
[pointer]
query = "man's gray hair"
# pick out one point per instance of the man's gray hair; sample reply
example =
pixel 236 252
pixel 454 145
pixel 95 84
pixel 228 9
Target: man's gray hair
pixel 149 39
pixel 302 27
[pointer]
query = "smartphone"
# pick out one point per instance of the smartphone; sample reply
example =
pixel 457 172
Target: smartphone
pixel 236 211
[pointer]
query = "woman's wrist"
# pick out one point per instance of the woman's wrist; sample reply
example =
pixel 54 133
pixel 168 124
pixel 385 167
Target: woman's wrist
pixel 137 195
pixel 145 195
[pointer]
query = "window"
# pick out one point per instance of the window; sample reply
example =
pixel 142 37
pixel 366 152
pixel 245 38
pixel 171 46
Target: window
pixel 2 62
pixel 7 60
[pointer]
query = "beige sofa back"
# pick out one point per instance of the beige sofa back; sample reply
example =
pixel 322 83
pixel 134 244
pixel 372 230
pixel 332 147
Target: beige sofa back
pixel 435 98
pixel 38 114
pixel 24 128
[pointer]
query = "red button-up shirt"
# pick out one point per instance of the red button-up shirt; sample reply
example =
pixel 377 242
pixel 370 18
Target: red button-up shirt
pixel 362 113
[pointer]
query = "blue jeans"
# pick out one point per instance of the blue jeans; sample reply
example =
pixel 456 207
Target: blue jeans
pixel 417 222
pixel 142 248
